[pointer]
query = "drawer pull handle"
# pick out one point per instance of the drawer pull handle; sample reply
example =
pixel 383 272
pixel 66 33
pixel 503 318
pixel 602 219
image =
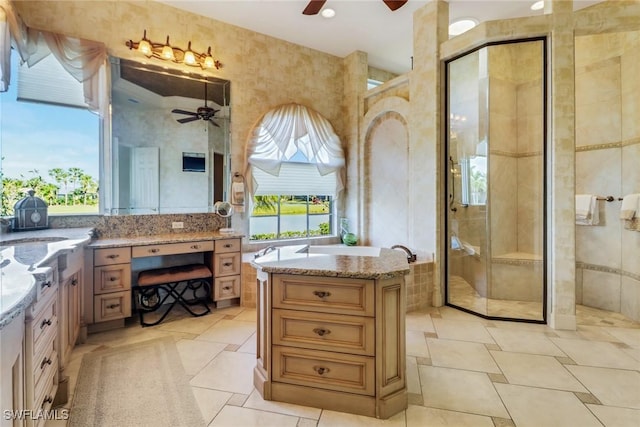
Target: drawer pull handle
pixel 112 306
pixel 195 246
pixel 113 256
pixel 45 361
pixel 74 282
pixel 113 279
pixel 46 322
pixel 47 399
pixel 322 294
pixel 46 284
pixel 320 370
pixel 154 250
pixel 227 264
pixel 228 245
pixel 226 288
pixel 321 331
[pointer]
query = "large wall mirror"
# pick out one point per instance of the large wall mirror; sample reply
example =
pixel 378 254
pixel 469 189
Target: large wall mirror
pixel 495 172
pixel 169 140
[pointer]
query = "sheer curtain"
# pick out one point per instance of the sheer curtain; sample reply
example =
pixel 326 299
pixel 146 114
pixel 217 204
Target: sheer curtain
pixel 288 128
pixel 83 59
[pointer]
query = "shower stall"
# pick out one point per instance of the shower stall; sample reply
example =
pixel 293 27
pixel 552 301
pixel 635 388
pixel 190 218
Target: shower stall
pixel 495 169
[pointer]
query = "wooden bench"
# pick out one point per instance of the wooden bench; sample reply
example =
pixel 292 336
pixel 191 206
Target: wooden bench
pixel 196 290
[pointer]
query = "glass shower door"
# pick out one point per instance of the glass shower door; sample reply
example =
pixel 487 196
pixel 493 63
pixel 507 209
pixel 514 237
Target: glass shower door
pixel 495 181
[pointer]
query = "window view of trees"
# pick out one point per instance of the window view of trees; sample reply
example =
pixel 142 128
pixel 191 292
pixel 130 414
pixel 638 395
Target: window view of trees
pixel 290 216
pixel 72 190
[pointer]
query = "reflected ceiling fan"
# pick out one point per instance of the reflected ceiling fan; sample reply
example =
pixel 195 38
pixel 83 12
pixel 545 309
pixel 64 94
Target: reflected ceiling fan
pixel 314 6
pixel 202 113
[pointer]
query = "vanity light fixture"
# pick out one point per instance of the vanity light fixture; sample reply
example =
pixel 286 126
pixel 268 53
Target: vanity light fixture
pixel 167 52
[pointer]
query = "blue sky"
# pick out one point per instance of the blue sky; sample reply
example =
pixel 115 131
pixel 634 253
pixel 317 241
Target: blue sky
pixel 42 137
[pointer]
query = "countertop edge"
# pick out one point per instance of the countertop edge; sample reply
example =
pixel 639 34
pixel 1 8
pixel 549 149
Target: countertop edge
pixel 160 239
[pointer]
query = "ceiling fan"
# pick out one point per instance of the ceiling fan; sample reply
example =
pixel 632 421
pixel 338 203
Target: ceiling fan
pixel 202 113
pixel 314 6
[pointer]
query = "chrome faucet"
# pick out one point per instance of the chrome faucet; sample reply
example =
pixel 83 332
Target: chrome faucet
pixel 411 257
pixel 264 251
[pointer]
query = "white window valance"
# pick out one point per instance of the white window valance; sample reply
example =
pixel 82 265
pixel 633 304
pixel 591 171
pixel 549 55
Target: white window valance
pixel 295 179
pixel 290 128
pixel 83 59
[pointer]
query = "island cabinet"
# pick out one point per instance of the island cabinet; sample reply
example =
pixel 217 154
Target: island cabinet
pixel 332 343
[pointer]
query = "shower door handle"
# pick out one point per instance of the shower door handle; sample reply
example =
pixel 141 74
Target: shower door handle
pixel 452 195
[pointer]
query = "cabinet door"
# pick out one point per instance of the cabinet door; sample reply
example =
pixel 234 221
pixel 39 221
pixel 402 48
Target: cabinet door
pixel 111 278
pixel 226 288
pixel 227 264
pixel 73 311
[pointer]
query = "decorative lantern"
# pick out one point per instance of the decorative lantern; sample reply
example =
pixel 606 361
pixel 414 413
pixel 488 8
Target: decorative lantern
pixel 30 213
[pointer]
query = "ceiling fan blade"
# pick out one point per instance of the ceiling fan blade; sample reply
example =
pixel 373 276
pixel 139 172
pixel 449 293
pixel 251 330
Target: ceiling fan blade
pixel 188 119
pixel 190 113
pixel 313 7
pixel 394 4
pixel 213 123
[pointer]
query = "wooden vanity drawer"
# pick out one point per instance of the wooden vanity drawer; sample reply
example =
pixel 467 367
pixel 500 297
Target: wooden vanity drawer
pixel 44 326
pixel 172 249
pixel 43 382
pixel 111 278
pixel 110 256
pixel 322 369
pixel 226 288
pixel 330 332
pixel 324 294
pixel 116 305
pixel 226 264
pixel 228 245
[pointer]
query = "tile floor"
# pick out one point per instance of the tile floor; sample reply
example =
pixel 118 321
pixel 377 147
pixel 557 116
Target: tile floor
pixel 462 371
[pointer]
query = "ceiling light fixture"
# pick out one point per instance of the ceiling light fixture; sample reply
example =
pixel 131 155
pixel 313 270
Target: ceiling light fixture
pixel 328 13
pixel 462 25
pixel 537 5
pixel 175 54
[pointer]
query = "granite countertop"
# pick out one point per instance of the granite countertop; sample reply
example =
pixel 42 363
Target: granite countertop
pixel 159 239
pixel 296 260
pixel 25 254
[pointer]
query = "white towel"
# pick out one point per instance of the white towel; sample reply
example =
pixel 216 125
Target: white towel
pixel 237 196
pixel 630 207
pixel 587 212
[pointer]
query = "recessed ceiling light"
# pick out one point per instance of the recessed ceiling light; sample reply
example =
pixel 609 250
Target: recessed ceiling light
pixel 462 25
pixel 328 12
pixel 537 5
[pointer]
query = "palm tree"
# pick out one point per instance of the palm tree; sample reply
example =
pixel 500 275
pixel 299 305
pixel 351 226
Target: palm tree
pixel 87 186
pixel 61 176
pixel 75 175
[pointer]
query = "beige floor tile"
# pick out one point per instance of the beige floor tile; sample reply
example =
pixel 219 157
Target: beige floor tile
pixel 196 354
pixel 235 416
pixel 633 352
pixel 536 371
pixel 229 331
pixel 419 416
pixel 450 313
pixel 519 341
pixel 536 407
pixel 191 325
pixel 228 371
pixel 413 376
pixel 461 355
pixel 416 344
pixel 458 390
pixel 210 402
pixel 462 330
pixel 626 335
pixel 248 315
pixel 614 387
pixel 419 321
pixel 596 353
pixel 611 416
pixel 341 419
pixel 250 345
pixel 305 422
pixel 255 401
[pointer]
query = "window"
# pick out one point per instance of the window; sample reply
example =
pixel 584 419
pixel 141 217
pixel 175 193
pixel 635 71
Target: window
pixel 49 144
pixel 295 161
pixel 474 180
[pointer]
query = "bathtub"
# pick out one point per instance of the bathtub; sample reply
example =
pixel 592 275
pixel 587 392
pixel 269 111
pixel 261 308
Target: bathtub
pixel 342 250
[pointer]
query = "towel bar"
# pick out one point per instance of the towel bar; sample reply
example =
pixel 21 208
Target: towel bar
pixel 609 198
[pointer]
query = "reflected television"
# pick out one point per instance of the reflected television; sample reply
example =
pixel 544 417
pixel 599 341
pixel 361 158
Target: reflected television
pixel 193 162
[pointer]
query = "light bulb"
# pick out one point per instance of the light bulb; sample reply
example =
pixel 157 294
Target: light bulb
pixel 144 47
pixel 167 51
pixel 208 60
pixel 189 57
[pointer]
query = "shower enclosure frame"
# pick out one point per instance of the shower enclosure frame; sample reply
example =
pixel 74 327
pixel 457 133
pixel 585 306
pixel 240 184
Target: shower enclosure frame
pixel 449 183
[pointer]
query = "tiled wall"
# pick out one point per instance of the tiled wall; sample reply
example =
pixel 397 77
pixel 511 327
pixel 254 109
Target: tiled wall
pixel 607 158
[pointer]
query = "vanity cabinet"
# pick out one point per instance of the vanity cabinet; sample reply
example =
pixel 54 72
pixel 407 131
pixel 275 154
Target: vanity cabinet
pixel 331 342
pixel 227 265
pixel 111 284
pixel 12 369
pixel 41 345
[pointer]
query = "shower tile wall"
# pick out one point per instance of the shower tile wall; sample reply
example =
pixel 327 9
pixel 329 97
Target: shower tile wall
pixel 607 158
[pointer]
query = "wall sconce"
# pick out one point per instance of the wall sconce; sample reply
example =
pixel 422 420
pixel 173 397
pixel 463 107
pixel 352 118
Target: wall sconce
pixel 167 52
